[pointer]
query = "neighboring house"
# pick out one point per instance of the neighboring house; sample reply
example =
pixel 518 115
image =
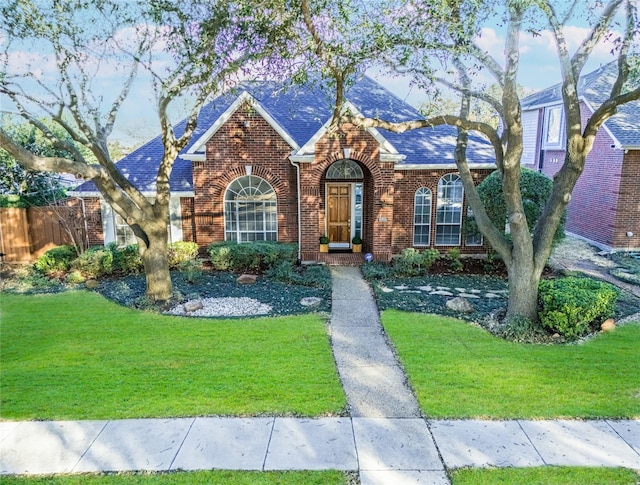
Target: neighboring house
pixel 605 204
pixel 262 165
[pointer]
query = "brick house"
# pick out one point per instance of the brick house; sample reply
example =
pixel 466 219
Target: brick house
pixel 605 205
pixel 263 165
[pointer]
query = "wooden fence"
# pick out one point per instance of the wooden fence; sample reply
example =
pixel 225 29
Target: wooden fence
pixel 25 234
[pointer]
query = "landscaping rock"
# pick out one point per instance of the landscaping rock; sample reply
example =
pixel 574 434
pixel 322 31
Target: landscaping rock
pixel 491 295
pixel 384 289
pixel 468 295
pixel 91 284
pixel 425 288
pixel 442 293
pixel 608 325
pixel 460 304
pixel 192 306
pixel 401 287
pixel 246 279
pixel 310 301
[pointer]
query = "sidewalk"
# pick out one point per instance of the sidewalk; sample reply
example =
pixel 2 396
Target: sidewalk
pixel 385 438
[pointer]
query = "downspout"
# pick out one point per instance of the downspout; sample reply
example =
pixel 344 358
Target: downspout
pixel 299 211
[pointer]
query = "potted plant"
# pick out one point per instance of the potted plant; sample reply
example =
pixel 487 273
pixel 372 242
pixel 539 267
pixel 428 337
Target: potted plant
pixel 324 244
pixel 356 244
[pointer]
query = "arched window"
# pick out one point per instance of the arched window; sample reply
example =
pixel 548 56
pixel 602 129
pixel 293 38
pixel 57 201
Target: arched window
pixel 449 211
pixel 250 210
pixel 422 217
pixel 345 169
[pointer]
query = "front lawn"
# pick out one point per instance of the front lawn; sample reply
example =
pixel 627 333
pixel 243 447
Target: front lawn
pixel 545 476
pixel 76 355
pixel 461 371
pixel 216 477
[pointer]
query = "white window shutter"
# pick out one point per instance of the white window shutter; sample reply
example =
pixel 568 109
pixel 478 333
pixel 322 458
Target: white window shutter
pixel 108 226
pixel 529 137
pixel 175 219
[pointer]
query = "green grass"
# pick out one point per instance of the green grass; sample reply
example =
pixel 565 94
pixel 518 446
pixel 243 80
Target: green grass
pixel 461 371
pixel 545 476
pixel 77 355
pixel 217 477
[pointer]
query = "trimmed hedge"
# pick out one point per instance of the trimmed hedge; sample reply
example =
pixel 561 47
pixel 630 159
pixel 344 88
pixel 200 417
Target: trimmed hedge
pixel 94 262
pixel 573 307
pixel 180 252
pixel 56 261
pixel 126 260
pixel 255 256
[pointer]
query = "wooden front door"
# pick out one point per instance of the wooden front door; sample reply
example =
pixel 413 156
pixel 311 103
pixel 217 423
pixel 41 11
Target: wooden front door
pixel 339 214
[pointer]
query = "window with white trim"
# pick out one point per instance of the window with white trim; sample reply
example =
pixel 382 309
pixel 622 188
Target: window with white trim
pixel 422 217
pixel 473 235
pixel 449 211
pixel 344 169
pixel 124 234
pixel 553 123
pixel 250 210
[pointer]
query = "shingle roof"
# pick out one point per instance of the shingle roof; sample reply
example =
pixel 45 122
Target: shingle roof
pixel 595 87
pixel 301 111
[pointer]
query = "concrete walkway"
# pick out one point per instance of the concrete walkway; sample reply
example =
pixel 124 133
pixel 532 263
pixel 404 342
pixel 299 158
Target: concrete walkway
pixel 385 438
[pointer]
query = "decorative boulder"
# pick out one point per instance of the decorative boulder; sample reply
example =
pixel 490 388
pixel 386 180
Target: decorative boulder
pixel 192 306
pixel 246 279
pixel 91 284
pixel 608 325
pixel 460 304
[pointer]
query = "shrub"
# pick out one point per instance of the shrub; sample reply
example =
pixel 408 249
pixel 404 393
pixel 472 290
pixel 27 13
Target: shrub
pixel 412 262
pixel 74 277
pixel 56 261
pixel 573 307
pixel 408 263
pixel 376 270
pixel 430 256
pixel 126 260
pixel 455 263
pixel 94 262
pixel 181 252
pixel 192 269
pixel 316 275
pixel 535 189
pixel 312 275
pixel 255 256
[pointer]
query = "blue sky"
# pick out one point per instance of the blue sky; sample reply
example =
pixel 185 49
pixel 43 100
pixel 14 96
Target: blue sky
pixel 138 120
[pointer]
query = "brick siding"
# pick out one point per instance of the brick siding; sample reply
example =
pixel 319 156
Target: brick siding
pixel 246 139
pixel 628 210
pixel 593 211
pixel 406 184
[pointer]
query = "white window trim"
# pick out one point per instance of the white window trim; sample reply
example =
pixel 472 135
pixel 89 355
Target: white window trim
pixel 466 240
pixel 109 221
pixel 449 224
pixel 547 115
pixel 237 231
pixel 428 243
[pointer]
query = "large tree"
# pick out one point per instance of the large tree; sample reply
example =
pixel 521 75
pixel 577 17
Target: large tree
pixel 419 32
pixel 191 48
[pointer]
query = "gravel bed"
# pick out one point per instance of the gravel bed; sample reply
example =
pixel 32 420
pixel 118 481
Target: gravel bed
pixel 223 307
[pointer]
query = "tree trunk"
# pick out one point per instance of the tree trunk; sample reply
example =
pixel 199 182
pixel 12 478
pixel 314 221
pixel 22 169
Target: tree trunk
pixel 523 289
pixel 156 264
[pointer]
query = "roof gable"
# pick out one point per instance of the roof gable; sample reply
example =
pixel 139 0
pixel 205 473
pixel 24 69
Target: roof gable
pixel 594 88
